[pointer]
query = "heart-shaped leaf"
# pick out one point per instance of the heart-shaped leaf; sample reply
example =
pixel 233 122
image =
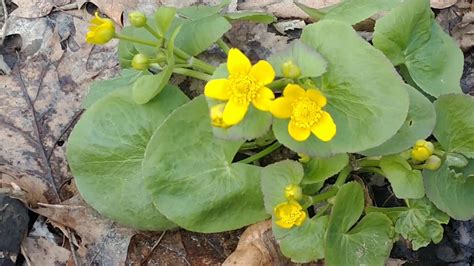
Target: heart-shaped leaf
pixel 147 87
pixel 105 153
pixel 319 169
pixel 367 243
pixel 365 96
pixel 406 182
pixel 195 184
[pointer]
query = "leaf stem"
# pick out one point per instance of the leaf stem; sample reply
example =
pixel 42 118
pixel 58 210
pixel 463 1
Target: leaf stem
pixel 325 195
pixel 192 73
pixel 194 62
pixel 261 153
pixel 278 84
pixel 153 32
pixel 130 39
pixel 223 46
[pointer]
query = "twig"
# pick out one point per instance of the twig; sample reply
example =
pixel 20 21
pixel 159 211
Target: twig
pixel 72 239
pixel 3 33
pixel 4 207
pixel 64 131
pixel 38 136
pixel 145 260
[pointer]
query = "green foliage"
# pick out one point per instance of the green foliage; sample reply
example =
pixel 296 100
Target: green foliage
pixel 255 124
pixel 317 170
pixel 420 222
pixel 406 182
pixel 304 243
pixel 311 63
pixel 455 123
pixel 105 153
pixel 196 186
pixel 451 190
pixel 126 50
pixel 368 243
pixel 164 16
pixel 408 35
pixel 253 16
pixel 365 95
pixel 101 88
pixel 419 124
pixel 147 87
pixel 350 11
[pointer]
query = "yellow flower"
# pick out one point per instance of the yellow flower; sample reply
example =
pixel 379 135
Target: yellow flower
pixel 245 85
pixel 304 158
pixel 422 150
pixel 293 192
pixel 304 108
pixel 289 214
pixel 100 31
pixel 216 113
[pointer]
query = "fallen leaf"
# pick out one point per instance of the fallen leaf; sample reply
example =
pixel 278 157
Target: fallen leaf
pixel 102 241
pixel 41 251
pixel 112 8
pixel 440 4
pixel 36 8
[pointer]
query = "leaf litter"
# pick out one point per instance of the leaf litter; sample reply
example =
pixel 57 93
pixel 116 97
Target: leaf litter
pixel 50 68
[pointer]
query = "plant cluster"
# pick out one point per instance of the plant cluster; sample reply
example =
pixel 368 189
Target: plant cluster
pixel 148 157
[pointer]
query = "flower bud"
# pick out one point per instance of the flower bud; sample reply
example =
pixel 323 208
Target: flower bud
pixel 422 150
pixel 290 70
pixel 216 114
pixel 304 158
pixel 137 19
pixel 293 192
pixel 432 163
pixel 140 62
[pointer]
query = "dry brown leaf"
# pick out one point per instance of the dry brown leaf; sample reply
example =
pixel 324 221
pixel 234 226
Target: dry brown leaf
pixel 36 8
pixel 102 241
pixel 112 8
pixel 41 251
pixel 440 4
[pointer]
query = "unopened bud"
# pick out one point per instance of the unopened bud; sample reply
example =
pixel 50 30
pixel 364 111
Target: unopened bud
pixel 290 70
pixel 140 62
pixel 293 192
pixel 137 19
pixel 216 114
pixel 422 150
pixel 304 158
pixel 432 163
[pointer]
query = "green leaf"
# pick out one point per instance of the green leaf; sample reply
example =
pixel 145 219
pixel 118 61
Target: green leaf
pixel 303 243
pixel 366 98
pixel 275 177
pixel 419 124
pixel 105 153
pixel 406 182
pixel 195 184
pixel 408 35
pixel 451 191
pixel 352 11
pixel 197 35
pixel 311 63
pixel 259 17
pixel 255 124
pixel 455 123
pixel 201 11
pixel 367 243
pixel 164 16
pixel 420 222
pixel 319 169
pixel 143 34
pixel 147 87
pixel 101 88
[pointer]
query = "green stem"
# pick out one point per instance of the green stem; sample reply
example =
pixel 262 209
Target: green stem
pixel 325 195
pixel 223 46
pixel 181 53
pixel 254 145
pixel 153 32
pixel 199 64
pixel 367 162
pixel 192 73
pixel 278 84
pixel 261 153
pixel 130 39
pixel 372 170
pixel 341 178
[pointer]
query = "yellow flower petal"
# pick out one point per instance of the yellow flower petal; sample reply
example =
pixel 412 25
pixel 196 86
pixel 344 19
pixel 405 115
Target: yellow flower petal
pixel 293 91
pixel 217 89
pixel 234 112
pixel 237 62
pixel 263 72
pixel 297 133
pixel 316 96
pixel 301 218
pixel 282 224
pixel 325 128
pixel 263 99
pixel 281 107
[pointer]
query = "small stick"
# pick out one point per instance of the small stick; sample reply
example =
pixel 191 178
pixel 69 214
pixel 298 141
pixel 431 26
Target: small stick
pixel 145 260
pixel 72 240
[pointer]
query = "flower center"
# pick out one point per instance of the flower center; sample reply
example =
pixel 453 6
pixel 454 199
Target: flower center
pixel 291 215
pixel 243 88
pixel 306 112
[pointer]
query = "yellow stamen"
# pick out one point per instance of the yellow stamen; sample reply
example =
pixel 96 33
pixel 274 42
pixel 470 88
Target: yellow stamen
pixel 243 88
pixel 306 112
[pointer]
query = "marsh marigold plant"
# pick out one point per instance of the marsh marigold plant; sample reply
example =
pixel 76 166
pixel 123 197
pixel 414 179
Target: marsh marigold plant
pixel 246 84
